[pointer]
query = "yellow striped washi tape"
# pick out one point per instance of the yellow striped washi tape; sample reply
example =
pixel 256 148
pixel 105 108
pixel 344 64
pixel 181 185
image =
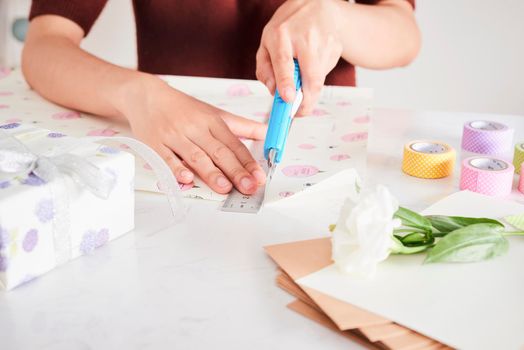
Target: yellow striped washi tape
pixel 428 159
pixel 518 158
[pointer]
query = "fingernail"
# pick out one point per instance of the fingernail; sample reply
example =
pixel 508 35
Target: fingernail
pixel 222 181
pixel 246 183
pixel 186 174
pixel 289 94
pixel 260 176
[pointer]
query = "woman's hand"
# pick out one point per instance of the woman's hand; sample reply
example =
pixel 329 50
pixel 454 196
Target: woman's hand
pixel 309 31
pixel 319 32
pixel 195 137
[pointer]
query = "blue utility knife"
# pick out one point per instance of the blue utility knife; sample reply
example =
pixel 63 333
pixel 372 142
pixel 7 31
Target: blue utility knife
pixel 279 123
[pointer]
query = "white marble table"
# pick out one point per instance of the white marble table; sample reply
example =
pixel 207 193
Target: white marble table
pixel 206 282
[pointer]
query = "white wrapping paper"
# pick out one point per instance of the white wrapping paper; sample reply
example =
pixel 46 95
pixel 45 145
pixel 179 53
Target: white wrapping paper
pixel 36 217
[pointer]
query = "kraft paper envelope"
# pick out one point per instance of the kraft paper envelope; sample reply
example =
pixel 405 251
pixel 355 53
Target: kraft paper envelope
pixel 299 259
pixel 385 335
pixel 317 316
pixel 372 333
pixel 408 342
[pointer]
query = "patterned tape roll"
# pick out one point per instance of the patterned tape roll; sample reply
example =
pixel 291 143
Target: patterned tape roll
pixel 428 159
pixel 518 158
pixel 486 175
pixel 486 137
pixel 521 183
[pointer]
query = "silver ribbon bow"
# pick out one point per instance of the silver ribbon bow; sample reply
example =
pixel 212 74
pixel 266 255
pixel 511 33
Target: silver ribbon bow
pixel 17 160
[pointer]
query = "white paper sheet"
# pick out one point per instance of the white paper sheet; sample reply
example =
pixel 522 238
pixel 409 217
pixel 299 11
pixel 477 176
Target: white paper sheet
pixel 333 139
pixel 467 306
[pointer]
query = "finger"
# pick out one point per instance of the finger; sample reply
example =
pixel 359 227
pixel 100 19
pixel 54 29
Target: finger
pixel 281 54
pixel 200 162
pixel 264 71
pixel 182 173
pixel 313 78
pixel 227 161
pixel 243 127
pixel 241 152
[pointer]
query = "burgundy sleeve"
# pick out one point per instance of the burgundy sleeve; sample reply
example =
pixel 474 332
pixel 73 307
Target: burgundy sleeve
pixel 82 12
pixel 372 2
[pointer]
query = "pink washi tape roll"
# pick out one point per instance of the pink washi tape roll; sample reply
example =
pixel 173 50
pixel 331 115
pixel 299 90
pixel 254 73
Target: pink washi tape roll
pixel 487 137
pixel 486 175
pixel 521 182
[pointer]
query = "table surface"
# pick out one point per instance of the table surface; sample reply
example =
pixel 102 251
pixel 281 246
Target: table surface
pixel 206 281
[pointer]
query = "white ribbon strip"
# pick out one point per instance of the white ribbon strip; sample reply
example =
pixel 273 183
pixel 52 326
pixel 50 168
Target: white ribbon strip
pixel 166 179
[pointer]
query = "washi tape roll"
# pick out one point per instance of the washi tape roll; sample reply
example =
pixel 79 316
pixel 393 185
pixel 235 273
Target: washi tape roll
pixel 518 158
pixel 487 137
pixel 487 175
pixel 428 159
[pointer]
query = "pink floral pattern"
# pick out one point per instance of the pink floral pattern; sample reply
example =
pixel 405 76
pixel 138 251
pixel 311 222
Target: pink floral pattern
pixel 355 136
pixel 319 112
pixel 238 90
pixel 339 157
pixel 285 194
pixel 300 170
pixel 362 119
pixel 4 72
pixel 307 146
pixel 67 115
pixel 108 132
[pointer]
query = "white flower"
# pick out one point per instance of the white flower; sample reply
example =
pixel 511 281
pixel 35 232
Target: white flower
pixel 363 236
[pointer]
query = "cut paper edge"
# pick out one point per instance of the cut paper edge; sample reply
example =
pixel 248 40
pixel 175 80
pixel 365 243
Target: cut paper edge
pixel 386 336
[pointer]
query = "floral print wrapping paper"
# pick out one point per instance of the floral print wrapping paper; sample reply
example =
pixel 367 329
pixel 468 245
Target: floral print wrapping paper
pixel 332 139
pixel 29 207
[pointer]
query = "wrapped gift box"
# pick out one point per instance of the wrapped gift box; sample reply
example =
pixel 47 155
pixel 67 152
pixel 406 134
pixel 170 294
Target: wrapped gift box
pixel 46 223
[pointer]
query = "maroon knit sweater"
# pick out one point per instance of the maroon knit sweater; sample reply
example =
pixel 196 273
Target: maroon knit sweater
pixel 214 38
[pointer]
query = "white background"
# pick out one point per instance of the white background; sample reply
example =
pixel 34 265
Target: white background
pixel 472 57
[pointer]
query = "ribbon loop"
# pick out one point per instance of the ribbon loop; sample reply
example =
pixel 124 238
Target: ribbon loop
pixel 17 160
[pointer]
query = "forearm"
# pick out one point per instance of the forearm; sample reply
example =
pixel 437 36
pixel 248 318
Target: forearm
pixel 380 36
pixel 57 68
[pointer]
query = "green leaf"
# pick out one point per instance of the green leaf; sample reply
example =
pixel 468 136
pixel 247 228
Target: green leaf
pixel 471 243
pixel 416 239
pixel 516 221
pixel 399 248
pixel 446 224
pixel 411 219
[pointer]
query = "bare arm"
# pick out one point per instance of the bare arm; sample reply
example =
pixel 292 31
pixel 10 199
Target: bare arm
pixel 56 67
pixel 382 36
pixel 176 125
pixel 319 32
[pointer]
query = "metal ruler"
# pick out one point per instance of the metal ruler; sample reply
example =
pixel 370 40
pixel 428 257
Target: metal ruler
pixel 241 203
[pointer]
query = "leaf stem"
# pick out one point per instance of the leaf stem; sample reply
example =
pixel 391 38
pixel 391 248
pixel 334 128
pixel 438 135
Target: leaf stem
pixel 513 233
pixel 408 230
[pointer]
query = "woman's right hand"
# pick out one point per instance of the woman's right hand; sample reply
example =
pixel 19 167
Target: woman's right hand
pixel 195 137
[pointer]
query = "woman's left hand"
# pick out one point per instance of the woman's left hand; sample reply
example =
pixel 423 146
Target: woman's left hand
pixel 309 31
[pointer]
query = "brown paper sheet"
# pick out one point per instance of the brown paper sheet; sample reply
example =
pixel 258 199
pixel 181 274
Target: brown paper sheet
pixel 321 318
pixel 299 259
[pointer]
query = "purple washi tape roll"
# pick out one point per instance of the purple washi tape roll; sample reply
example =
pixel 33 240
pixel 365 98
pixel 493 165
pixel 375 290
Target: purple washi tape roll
pixel 487 137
